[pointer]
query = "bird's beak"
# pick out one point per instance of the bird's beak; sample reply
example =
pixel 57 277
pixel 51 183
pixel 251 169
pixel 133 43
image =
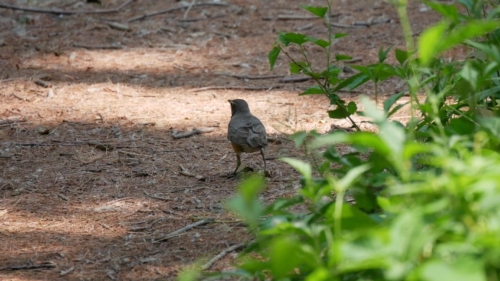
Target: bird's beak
pixel 230 101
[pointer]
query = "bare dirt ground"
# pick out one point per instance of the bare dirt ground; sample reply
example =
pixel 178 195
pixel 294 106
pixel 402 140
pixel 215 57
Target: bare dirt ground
pixel 90 183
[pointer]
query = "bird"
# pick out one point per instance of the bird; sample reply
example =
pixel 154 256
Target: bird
pixel 245 132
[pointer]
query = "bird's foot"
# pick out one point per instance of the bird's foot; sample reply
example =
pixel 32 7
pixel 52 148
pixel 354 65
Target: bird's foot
pixel 267 174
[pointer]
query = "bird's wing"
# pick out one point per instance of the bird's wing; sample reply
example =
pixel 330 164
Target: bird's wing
pixel 248 132
pixel 258 135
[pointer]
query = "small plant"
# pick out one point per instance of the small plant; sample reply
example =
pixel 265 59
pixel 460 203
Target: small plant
pixel 425 193
pixel 328 81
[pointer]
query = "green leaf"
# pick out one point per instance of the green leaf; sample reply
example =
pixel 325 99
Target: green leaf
pixel 189 274
pixel 302 167
pixel 392 134
pixel 320 42
pixel 388 103
pixel 460 126
pixel 353 175
pixel 342 57
pixel 273 55
pixel 338 113
pixel 382 54
pixel 298 67
pixel 469 4
pixel 492 124
pixel 340 35
pixel 316 10
pixel 429 41
pixel 470 74
pixel 352 218
pixel 463 268
pixel 314 90
pixel 370 140
pixel 371 110
pixel 245 203
pixel 284 256
pixel 352 107
pixel 319 274
pixel 296 38
pixel 448 11
pixel 353 82
pixel 382 71
pixel 396 108
pixel 402 56
pixel 436 40
pixel 282 39
pixel 299 137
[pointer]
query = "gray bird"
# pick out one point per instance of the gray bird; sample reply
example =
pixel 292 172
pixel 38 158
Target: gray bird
pixel 245 131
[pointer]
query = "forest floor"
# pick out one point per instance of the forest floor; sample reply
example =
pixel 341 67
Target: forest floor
pixel 91 181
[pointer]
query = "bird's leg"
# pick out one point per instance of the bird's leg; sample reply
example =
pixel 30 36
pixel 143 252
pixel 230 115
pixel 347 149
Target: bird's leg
pixel 263 158
pixel 238 163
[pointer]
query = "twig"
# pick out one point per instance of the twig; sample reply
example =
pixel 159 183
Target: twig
pixel 353 60
pixel 20 97
pixel 187 173
pixel 62 197
pixel 174 9
pixel 42 83
pixel 341 25
pixel 296 17
pixel 295 79
pixel 189 9
pixel 67 271
pixel 90 47
pixel 63 12
pixel 179 135
pixel 249 88
pixel 119 26
pixel 43 265
pixel 200 19
pixel 222 254
pixel 155 197
pixel 101 146
pixel 184 229
pixel 246 77
pixel 12 120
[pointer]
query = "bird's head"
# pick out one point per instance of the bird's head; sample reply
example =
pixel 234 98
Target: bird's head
pixel 239 106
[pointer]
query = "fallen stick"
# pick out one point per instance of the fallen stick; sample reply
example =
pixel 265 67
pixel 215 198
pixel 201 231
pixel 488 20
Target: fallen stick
pixel 200 19
pixel 155 197
pixel 295 17
pixel 189 9
pixel 101 146
pixel 174 9
pixel 295 79
pixel 43 265
pixel 63 12
pixel 187 173
pixel 184 229
pixel 249 88
pixel 222 254
pixel 12 120
pixel 246 77
pixel 341 25
pixel 67 271
pixel 42 83
pixel 353 60
pixel 179 135
pixel 94 47
pixel 20 97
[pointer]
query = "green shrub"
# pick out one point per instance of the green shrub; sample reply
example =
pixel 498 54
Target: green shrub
pixel 426 194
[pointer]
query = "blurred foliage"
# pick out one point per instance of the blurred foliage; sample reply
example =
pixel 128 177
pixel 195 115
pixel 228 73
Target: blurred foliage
pixel 423 196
